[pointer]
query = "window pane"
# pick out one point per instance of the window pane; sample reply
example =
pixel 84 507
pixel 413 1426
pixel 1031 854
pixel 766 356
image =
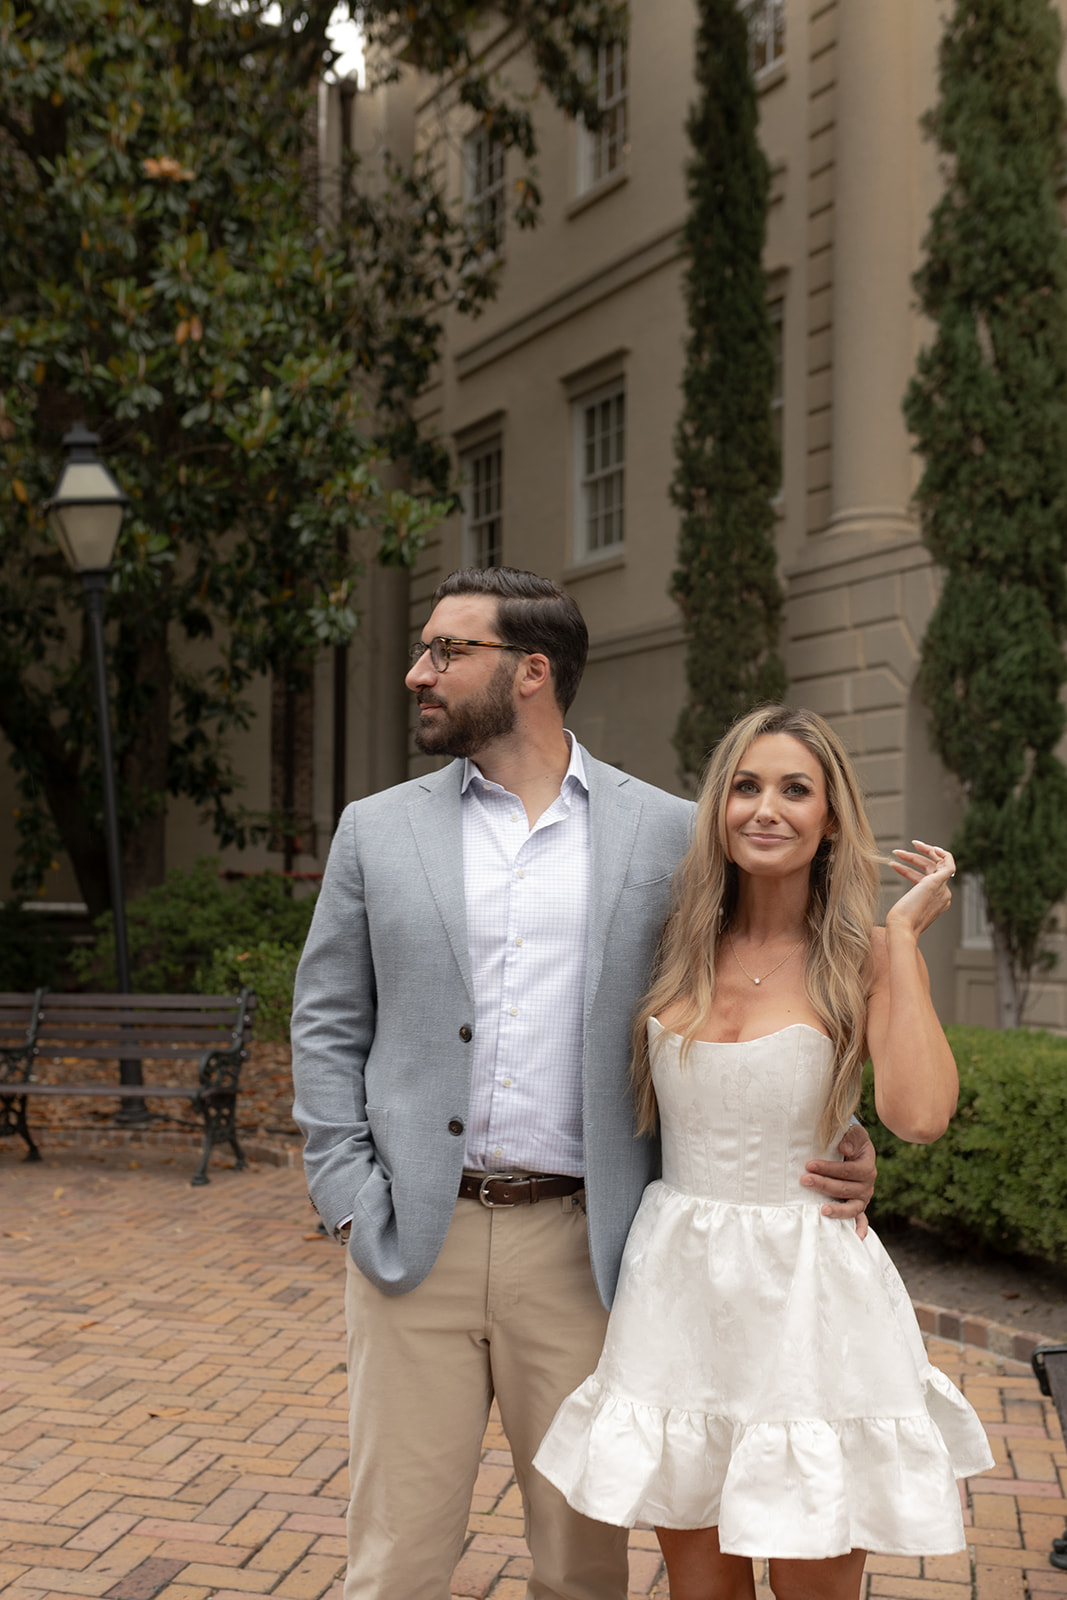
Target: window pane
pixel 484 184
pixel 482 499
pixel 601 490
pixel 602 152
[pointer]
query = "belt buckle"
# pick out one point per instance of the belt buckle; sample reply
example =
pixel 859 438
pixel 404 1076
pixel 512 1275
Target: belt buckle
pixel 483 1191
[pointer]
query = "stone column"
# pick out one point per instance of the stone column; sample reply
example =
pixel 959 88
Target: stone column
pixel 874 200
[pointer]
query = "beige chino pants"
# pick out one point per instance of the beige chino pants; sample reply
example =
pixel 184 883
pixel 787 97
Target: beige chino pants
pixel 509 1309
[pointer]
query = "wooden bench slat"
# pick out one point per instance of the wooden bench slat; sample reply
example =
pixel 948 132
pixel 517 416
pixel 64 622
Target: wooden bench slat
pixel 103 1091
pixel 129 1050
pixel 150 1022
pixel 148 1002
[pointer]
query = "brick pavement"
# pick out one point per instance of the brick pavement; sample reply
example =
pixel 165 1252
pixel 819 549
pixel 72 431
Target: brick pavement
pixel 172 1417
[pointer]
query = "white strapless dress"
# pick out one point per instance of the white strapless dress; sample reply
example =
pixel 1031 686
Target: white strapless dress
pixel 763 1371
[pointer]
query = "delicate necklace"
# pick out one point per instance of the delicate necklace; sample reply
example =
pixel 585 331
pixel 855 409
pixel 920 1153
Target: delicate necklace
pixel 773 970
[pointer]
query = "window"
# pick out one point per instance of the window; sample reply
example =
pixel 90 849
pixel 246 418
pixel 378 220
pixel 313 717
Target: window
pixel 776 314
pixel 600 452
pixel 603 150
pixel 483 182
pixel 977 928
pixel 766 33
pixel 482 482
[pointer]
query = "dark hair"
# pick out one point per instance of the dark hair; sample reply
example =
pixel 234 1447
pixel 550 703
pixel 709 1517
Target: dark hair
pixel 535 614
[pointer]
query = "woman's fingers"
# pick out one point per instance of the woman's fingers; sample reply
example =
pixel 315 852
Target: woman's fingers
pixel 933 860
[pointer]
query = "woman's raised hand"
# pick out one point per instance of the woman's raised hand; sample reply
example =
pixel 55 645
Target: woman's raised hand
pixel 928 869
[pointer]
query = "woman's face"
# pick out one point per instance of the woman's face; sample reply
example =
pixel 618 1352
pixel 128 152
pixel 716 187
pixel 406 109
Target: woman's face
pixel 777 812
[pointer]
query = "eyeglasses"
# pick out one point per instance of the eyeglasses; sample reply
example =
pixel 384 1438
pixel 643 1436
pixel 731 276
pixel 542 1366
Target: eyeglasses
pixel 441 650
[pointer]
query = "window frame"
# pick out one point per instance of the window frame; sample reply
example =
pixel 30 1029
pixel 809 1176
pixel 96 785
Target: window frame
pixel 766 21
pixel 485 186
pixel 474 520
pixel 614 132
pixel 583 551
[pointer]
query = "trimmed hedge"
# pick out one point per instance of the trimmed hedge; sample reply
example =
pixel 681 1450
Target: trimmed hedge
pixel 177 927
pixel 267 967
pixel 998 1176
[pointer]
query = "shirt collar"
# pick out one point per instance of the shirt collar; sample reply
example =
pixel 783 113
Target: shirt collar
pixel 575 770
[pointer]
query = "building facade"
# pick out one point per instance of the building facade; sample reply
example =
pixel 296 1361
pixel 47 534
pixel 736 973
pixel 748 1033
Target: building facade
pixel 560 402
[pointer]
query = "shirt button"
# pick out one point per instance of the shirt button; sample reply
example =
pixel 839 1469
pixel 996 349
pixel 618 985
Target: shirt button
pixel 518 941
pixel 507 1083
pixel 514 1011
pixel 466 1033
pixel 520 873
pixel 513 816
pixel 498 1152
pixel 455 1127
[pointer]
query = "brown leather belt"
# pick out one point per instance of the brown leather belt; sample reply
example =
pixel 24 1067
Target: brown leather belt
pixel 504 1189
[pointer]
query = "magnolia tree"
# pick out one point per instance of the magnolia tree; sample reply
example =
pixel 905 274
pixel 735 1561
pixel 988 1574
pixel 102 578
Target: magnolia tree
pixel 248 355
pixel 988 408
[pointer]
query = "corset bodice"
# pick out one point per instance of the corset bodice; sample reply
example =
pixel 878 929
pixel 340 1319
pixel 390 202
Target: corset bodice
pixel 740 1120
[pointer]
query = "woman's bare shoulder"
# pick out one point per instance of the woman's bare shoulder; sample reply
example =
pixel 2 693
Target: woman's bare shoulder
pixel 672 1015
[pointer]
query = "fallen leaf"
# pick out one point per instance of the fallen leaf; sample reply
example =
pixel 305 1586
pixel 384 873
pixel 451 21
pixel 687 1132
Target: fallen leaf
pixel 56 1193
pixel 90 1324
pixel 168 1411
pixel 314 1236
pixel 1009 1294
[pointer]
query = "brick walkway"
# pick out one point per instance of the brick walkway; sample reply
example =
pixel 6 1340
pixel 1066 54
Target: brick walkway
pixel 172 1417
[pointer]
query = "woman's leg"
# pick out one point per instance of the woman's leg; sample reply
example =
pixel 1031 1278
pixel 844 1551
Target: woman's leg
pixel 837 1578
pixel 698 1570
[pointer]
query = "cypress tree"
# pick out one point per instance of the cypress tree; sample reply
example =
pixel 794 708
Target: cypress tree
pixel 727 457
pixel 988 407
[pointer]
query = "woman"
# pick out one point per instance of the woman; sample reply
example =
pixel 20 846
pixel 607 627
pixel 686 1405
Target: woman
pixel 764 1390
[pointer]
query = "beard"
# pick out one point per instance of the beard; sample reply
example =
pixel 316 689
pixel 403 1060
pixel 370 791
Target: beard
pixel 464 729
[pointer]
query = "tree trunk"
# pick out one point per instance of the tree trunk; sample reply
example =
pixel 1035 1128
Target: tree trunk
pixel 1008 997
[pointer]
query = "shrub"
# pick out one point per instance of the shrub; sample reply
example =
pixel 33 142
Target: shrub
pixel 177 927
pixel 996 1177
pixel 267 967
pixel 31 953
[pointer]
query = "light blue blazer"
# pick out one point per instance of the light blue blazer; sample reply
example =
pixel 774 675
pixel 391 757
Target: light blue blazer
pixel 383 1017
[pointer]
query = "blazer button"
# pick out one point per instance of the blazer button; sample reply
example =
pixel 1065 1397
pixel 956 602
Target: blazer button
pixel 466 1033
pixel 455 1126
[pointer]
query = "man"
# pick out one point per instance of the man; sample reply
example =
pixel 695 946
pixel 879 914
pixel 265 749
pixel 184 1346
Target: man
pixel 460 1045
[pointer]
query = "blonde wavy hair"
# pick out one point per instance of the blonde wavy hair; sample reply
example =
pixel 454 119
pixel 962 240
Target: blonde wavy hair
pixel 840 915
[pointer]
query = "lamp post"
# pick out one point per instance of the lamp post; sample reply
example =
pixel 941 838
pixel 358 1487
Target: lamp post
pixel 85 514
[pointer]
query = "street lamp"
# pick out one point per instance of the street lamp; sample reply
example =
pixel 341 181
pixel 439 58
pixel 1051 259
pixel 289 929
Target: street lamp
pixel 85 514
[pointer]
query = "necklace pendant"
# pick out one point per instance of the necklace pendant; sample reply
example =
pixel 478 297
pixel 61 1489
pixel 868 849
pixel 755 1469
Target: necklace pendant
pixel 755 980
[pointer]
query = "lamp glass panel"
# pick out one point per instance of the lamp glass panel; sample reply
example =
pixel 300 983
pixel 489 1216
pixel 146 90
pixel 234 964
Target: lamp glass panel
pixel 87 534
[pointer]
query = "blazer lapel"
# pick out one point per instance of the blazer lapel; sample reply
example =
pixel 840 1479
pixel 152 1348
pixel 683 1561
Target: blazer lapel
pixel 436 818
pixel 614 812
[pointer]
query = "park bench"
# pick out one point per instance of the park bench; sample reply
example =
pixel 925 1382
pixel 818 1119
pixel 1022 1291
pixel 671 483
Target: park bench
pixel 43 1036
pixel 1049 1362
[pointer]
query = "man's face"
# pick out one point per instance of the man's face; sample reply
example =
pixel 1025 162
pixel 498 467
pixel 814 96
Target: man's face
pixel 472 703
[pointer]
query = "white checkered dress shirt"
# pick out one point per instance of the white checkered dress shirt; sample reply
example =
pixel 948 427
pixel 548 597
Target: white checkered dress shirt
pixel 527 894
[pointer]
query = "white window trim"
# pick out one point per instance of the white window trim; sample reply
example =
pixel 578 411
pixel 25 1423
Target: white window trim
pixel 589 140
pixel 473 555
pixel 977 928
pixel 583 553
pixel 476 198
pixel 769 15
